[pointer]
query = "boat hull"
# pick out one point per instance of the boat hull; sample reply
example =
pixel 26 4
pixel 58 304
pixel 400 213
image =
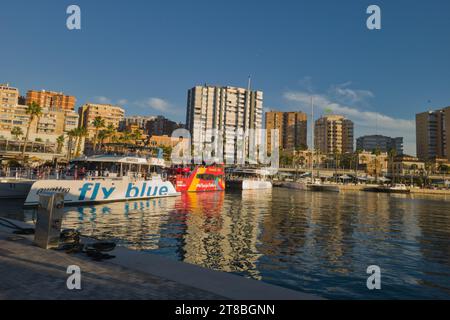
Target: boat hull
pixel 99 191
pixel 202 179
pixel 249 185
pixel 323 188
pixel 15 189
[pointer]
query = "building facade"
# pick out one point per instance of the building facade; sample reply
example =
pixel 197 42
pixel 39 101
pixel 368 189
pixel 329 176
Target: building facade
pixel 140 121
pixel 433 134
pixel 334 134
pixel 381 143
pixel 111 114
pixel 51 100
pixel 161 126
pixel 292 128
pixel 9 96
pixel 232 112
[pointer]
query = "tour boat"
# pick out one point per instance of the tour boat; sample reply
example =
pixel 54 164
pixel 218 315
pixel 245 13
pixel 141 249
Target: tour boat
pixel 200 179
pixel 107 178
pixel 248 179
pixel 15 188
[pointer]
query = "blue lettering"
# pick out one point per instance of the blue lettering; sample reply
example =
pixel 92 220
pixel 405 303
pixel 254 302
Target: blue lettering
pixel 155 191
pixel 131 189
pixel 95 191
pixel 107 192
pixel 163 191
pixel 83 190
pixel 143 189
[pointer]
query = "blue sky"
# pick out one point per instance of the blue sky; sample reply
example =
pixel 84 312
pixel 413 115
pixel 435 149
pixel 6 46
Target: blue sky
pixel 147 54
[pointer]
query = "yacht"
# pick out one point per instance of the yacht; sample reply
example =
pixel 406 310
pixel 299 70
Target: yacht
pixel 107 178
pixel 248 179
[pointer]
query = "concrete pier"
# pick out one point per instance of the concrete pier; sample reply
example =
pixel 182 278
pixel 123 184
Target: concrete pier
pixel 29 272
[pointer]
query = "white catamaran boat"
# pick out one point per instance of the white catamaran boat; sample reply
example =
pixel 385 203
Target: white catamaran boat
pixel 107 178
pixel 248 179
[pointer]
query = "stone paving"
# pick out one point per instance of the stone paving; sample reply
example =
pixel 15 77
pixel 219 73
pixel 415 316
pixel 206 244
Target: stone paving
pixel 28 272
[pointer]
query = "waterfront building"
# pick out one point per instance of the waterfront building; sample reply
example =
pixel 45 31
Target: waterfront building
pixel 9 96
pixel 292 128
pixel 231 111
pixel 433 134
pixel 161 126
pixel 111 114
pixel 333 134
pixel 373 164
pixel 380 143
pixel 51 99
pixel 405 165
pixel 140 121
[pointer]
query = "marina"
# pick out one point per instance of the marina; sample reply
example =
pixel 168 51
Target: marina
pixel 297 240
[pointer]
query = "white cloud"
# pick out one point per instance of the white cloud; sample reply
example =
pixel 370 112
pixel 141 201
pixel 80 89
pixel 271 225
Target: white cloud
pixel 366 122
pixel 102 99
pixel 157 104
pixel 106 100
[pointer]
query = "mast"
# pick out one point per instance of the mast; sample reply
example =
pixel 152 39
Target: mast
pixel 312 139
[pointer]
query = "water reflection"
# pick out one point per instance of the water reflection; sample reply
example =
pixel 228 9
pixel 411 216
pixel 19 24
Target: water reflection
pixel 315 242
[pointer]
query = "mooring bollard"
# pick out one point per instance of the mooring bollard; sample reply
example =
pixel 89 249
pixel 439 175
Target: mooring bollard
pixel 49 219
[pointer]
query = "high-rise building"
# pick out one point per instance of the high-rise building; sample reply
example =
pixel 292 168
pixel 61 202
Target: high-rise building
pixel 112 115
pixel 9 96
pixel 231 111
pixel 433 134
pixel 50 99
pixel 274 121
pixel 381 143
pixel 333 134
pixel 292 128
pixel 161 126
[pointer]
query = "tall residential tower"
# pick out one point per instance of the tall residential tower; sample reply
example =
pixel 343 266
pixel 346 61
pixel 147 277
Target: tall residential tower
pixel 229 110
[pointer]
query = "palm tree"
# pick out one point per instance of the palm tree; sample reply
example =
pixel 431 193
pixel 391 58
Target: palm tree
pixel 137 136
pixel 17 132
pixel 72 136
pixel 392 154
pixel 80 134
pixel 34 110
pixel 98 123
pixel 60 142
pixel 102 135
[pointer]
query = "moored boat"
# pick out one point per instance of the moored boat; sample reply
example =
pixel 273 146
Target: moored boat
pixel 107 178
pixel 199 179
pixel 248 179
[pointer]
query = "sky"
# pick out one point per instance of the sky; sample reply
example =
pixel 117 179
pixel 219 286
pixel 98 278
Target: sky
pixel 146 54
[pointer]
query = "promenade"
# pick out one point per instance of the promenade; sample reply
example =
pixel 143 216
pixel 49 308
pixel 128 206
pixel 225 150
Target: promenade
pixel 31 273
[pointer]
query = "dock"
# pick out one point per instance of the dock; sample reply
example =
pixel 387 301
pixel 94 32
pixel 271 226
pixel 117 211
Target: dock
pixel 31 273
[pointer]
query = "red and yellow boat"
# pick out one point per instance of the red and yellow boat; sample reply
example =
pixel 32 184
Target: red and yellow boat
pixel 199 179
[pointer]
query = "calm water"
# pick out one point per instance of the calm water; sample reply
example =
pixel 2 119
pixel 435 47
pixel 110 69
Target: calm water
pixel 320 243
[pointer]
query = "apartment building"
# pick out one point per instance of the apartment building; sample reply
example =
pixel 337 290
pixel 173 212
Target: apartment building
pixel 51 100
pixel 111 114
pixel 433 134
pixel 333 134
pixel 381 143
pixel 292 128
pixel 161 126
pixel 140 121
pixel 9 96
pixel 232 111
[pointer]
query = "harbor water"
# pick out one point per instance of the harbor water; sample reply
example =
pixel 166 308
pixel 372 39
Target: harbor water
pixel 320 243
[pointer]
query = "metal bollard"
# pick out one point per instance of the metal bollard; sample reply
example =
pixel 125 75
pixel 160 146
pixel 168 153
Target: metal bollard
pixel 49 219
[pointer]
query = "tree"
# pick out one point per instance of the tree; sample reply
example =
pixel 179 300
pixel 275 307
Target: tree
pixel 136 136
pixel 98 123
pixel 72 137
pixel 60 143
pixel 392 154
pixel 17 132
pixel 80 133
pixel 34 111
pixel 102 136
